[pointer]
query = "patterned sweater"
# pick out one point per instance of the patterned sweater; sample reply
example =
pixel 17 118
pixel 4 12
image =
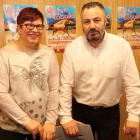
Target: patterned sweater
pixel 29 83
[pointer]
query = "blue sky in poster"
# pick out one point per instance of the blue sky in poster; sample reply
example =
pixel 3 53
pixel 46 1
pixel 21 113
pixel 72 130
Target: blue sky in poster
pixel 11 12
pixel 128 13
pixel 108 13
pixel 57 13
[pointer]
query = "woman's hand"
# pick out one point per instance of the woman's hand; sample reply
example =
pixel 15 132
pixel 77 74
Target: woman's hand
pixel 34 127
pixel 48 132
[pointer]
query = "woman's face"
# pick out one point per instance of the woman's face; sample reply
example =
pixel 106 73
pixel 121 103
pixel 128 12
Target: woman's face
pixel 30 37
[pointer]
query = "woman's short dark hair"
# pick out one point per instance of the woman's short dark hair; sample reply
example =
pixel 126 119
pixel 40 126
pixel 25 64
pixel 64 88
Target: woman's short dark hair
pixel 29 14
pixel 93 4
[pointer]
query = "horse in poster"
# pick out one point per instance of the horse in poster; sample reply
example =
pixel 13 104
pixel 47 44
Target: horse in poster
pixel 129 26
pixel 61 27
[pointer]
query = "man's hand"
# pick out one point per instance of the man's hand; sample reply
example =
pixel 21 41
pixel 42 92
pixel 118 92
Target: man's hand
pixel 34 127
pixel 71 128
pixel 132 128
pixel 48 132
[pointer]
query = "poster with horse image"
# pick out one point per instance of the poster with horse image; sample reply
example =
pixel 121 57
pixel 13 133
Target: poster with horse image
pixel 10 20
pixel 60 26
pixel 129 25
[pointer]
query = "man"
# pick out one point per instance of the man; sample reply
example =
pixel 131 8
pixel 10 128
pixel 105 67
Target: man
pixel 95 68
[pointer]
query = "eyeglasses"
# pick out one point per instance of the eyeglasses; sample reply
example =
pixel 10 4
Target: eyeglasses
pixel 32 26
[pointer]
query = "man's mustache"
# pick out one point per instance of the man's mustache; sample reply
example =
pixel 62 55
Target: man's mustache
pixel 93 30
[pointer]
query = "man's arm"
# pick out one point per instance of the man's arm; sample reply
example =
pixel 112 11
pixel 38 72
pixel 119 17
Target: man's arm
pixel 132 128
pixel 131 82
pixel 65 95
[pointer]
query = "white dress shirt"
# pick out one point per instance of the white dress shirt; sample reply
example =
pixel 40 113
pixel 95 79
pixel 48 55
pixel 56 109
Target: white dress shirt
pixel 96 77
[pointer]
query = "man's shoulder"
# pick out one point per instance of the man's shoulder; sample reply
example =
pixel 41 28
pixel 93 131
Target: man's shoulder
pixel 114 37
pixel 118 42
pixel 80 38
pixel 77 42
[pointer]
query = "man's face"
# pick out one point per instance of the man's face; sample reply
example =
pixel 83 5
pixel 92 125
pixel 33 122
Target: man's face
pixel 93 23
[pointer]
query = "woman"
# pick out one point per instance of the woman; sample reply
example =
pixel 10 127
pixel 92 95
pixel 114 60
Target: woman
pixel 29 79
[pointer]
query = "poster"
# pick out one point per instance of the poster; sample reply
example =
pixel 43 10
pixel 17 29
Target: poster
pixel 10 20
pixel 129 25
pixel 108 17
pixel 60 26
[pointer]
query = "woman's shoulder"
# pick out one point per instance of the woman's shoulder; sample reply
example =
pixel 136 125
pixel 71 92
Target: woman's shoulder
pixel 47 48
pixel 10 47
pixel 5 49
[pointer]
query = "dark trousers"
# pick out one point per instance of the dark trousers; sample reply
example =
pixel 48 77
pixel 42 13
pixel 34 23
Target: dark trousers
pixel 9 135
pixel 105 121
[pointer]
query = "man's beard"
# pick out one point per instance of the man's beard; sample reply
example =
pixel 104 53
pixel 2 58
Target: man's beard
pixel 92 38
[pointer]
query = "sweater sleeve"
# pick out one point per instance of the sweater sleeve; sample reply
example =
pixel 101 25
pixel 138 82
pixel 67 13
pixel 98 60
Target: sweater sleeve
pixel 53 84
pixel 7 104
